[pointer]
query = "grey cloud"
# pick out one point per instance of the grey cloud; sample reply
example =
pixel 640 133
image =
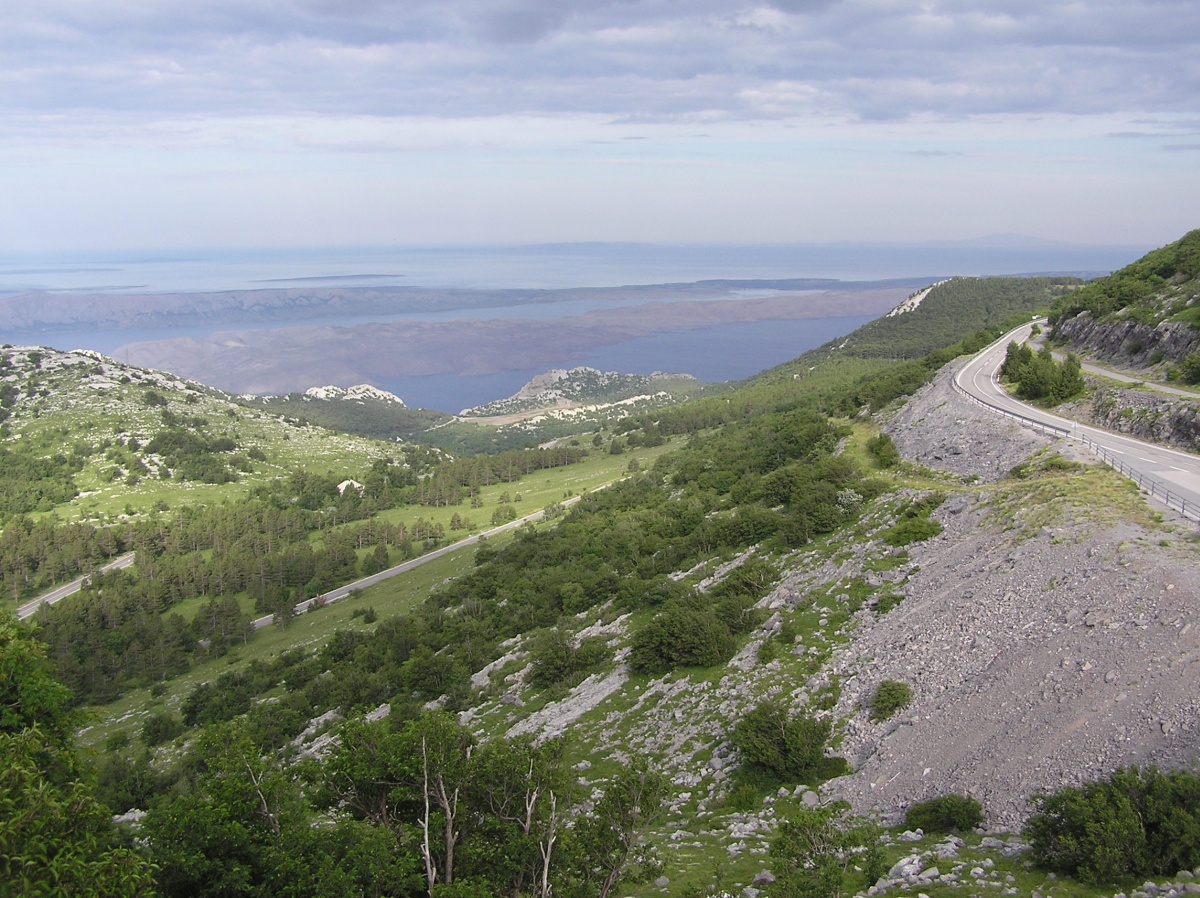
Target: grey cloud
pixel 629 59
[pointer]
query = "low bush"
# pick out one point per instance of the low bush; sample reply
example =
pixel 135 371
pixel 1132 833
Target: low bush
pixel 915 523
pixel 790 749
pixel 556 659
pixel 160 728
pixel 945 814
pixel 889 697
pixel 883 449
pixel 683 634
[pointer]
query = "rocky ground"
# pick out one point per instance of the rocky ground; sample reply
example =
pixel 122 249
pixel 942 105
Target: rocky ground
pixel 1046 643
pixel 1170 420
pixel 1039 655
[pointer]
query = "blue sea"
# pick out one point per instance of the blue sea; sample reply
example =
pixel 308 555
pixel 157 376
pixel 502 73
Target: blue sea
pixel 729 352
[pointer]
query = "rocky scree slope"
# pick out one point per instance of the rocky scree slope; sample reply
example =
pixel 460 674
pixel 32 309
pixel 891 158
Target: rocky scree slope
pixel 1046 642
pixel 1049 636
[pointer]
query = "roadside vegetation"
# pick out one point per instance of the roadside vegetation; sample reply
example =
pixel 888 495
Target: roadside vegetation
pixel 1037 377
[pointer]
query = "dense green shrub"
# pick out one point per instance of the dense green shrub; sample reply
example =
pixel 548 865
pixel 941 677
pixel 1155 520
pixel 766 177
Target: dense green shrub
pixel 1189 368
pixel 915 523
pixel 160 728
pixel 1133 825
pixel 556 659
pixel 787 748
pixel 889 697
pixel 224 699
pixel 683 634
pixel 883 449
pixel 945 814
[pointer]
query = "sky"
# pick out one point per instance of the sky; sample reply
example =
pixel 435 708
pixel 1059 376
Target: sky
pixel 154 124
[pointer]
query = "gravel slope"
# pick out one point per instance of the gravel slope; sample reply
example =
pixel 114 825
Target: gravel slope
pixel 1036 660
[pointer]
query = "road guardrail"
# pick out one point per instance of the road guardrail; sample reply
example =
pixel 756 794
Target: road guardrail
pixel 1156 488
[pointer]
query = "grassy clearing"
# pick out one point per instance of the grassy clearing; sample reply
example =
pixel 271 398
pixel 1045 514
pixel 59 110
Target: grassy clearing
pixel 1054 494
pixel 532 493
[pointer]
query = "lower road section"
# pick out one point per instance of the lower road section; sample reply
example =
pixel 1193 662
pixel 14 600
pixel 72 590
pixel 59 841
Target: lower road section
pixel 341 592
pixel 68 589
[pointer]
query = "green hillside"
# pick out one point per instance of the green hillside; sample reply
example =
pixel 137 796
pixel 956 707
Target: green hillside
pixel 110 441
pixel 579 401
pixel 1162 286
pixel 499 728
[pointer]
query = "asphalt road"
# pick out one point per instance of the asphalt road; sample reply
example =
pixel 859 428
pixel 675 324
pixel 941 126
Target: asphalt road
pixel 1168 475
pixel 57 595
pixel 341 592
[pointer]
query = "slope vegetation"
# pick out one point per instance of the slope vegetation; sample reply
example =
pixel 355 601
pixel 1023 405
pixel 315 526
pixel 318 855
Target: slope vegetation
pixel 1145 317
pixel 786 608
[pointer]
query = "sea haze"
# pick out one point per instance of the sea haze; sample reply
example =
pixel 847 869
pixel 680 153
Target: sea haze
pixel 728 351
pixel 544 266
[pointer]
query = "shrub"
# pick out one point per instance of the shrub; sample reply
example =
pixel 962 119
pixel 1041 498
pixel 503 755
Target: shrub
pixel 768 651
pixel 915 523
pixel 815 850
pixel 681 635
pixel 791 749
pixel 160 728
pixel 1189 368
pixel 883 449
pixel 1134 824
pixel 946 814
pixel 890 696
pixel 556 659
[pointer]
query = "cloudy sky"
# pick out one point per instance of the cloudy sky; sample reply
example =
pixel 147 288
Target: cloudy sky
pixel 146 124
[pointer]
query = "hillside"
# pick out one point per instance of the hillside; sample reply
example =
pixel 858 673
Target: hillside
pixel 367 415
pixel 578 388
pixel 107 441
pixel 908 600
pixel 1145 317
pixel 100 459
pixel 552 406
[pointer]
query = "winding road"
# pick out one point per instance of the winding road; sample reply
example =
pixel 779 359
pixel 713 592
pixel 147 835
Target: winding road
pixel 1168 475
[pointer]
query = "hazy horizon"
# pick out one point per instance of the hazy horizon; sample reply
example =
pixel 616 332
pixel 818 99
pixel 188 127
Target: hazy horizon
pixel 545 265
